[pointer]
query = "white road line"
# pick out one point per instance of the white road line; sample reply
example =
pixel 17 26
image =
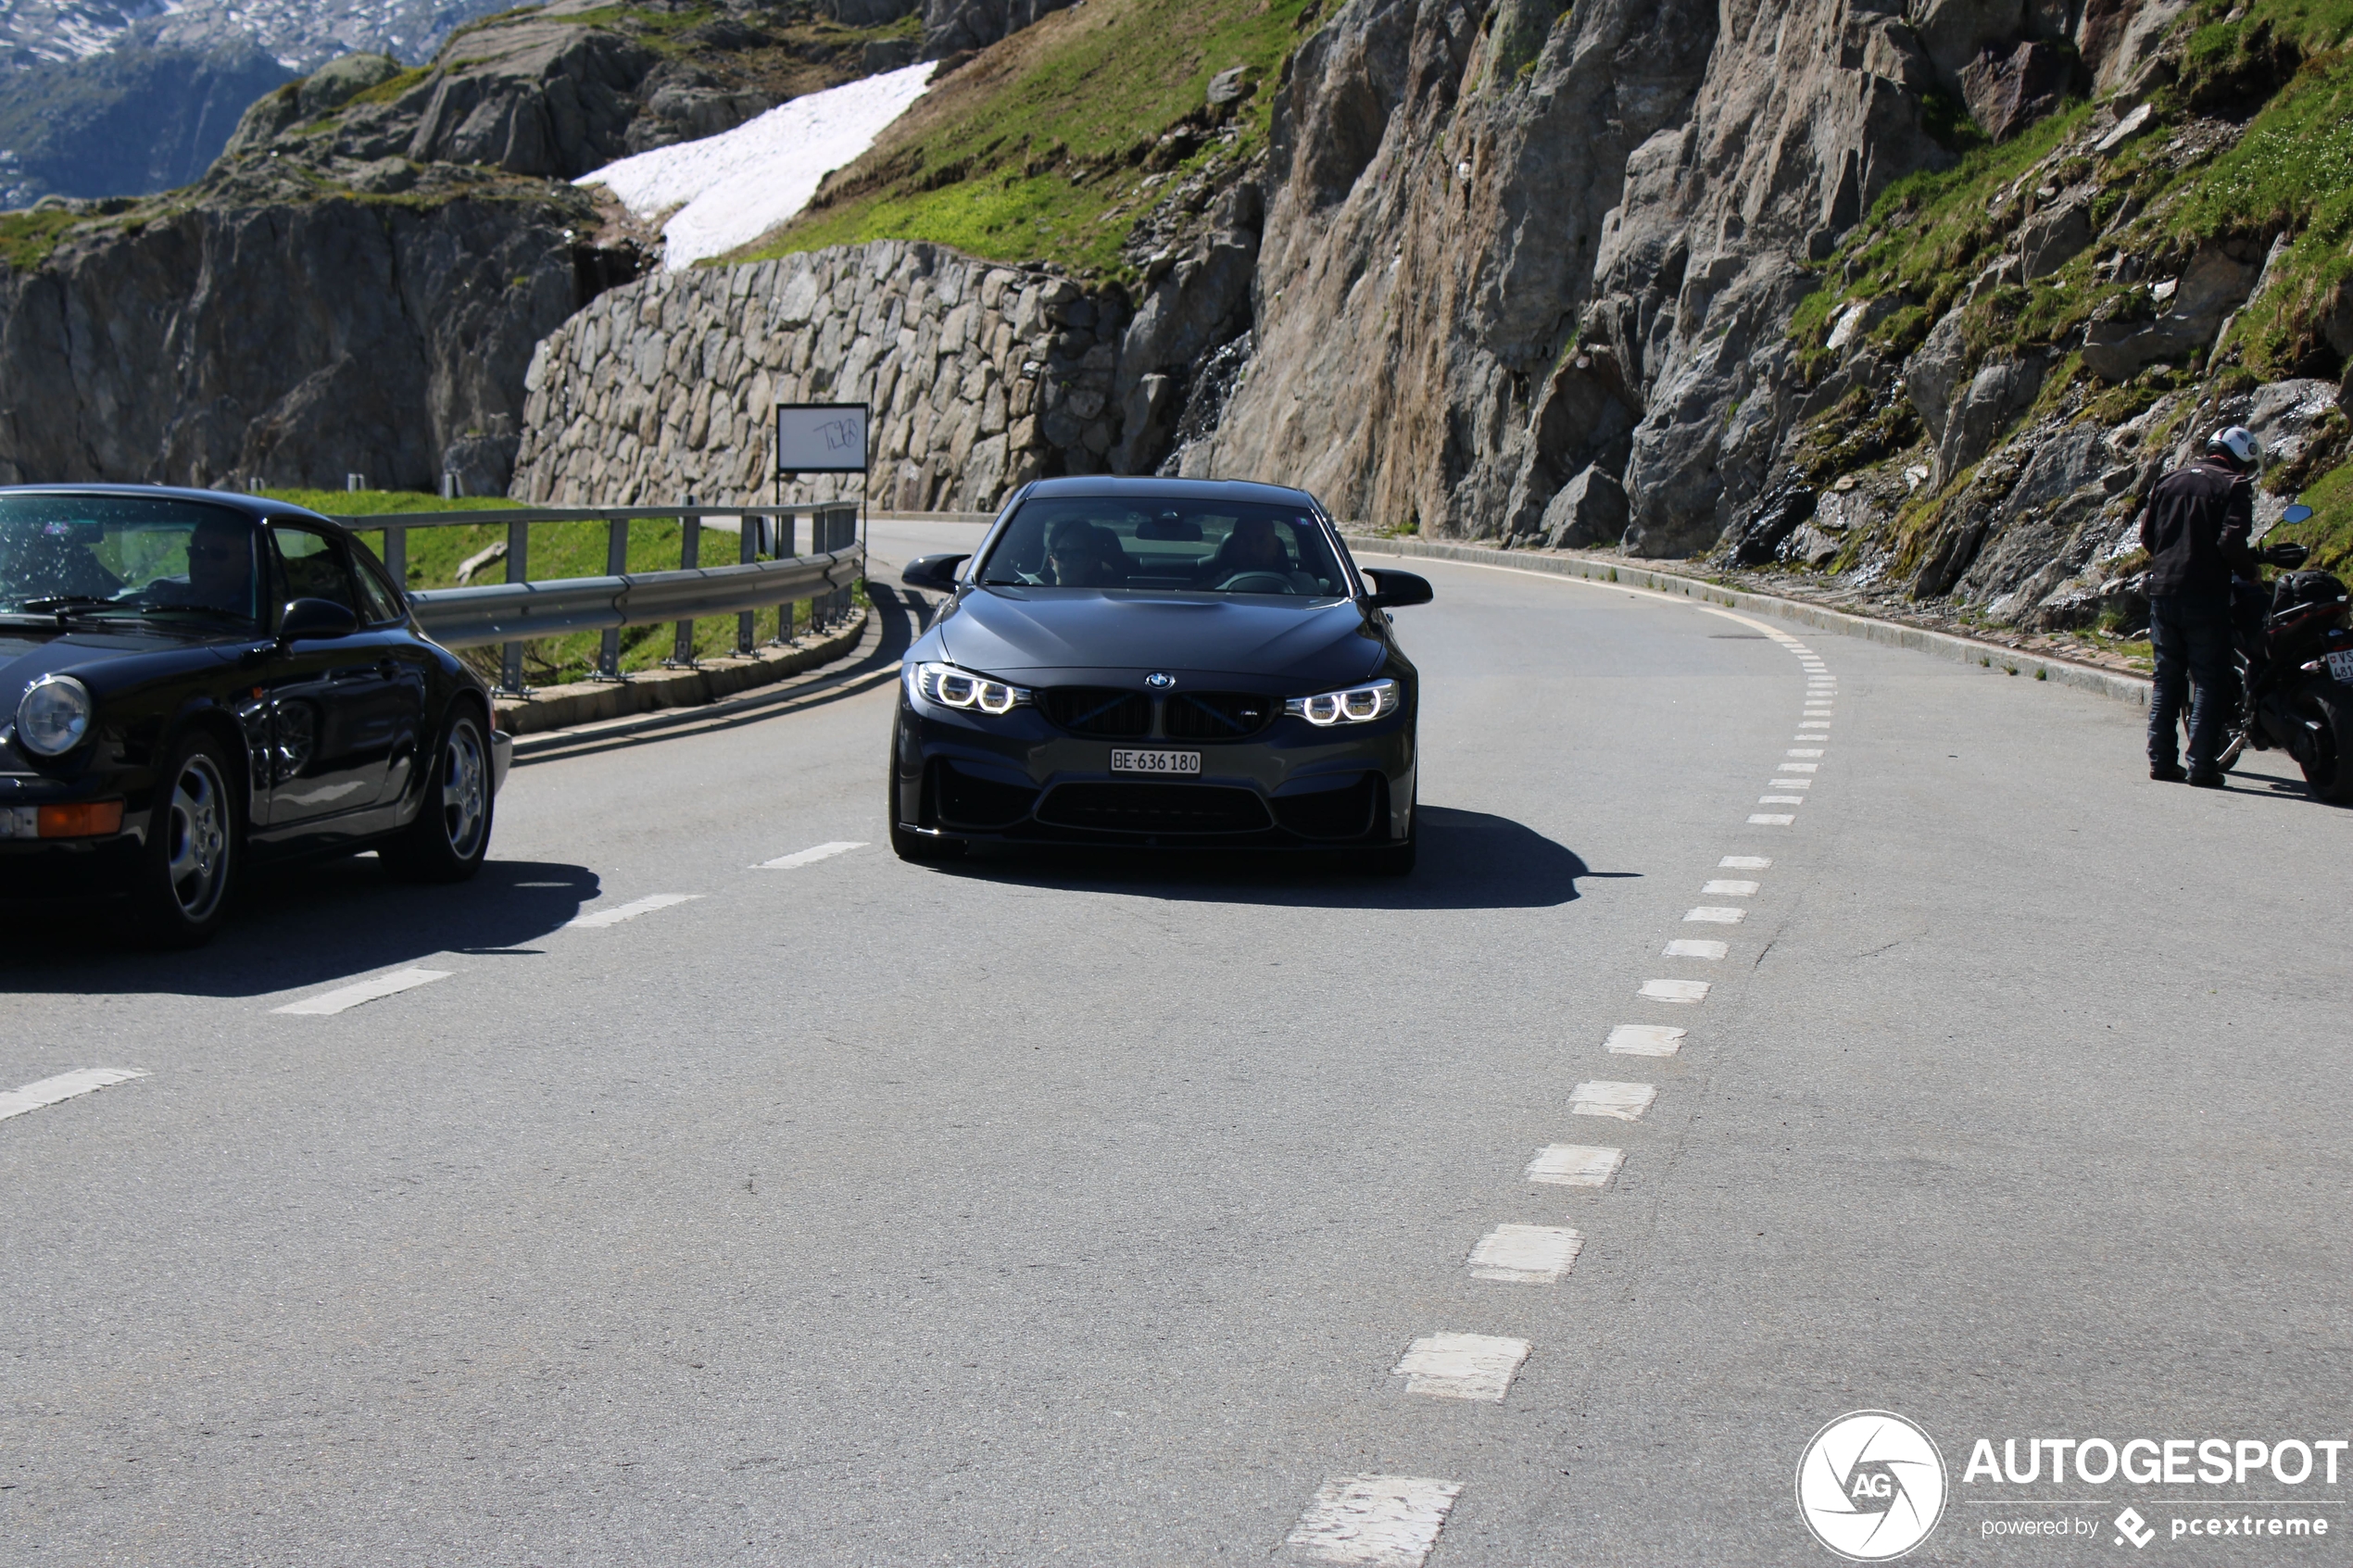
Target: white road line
pixel 1769 820
pixel 1574 1165
pixel 1813 724
pixel 65 1085
pixel 1525 1254
pixel 808 857
pixel 1644 1039
pixel 1462 1366
pixel 1745 863
pixel 1791 784
pixel 1372 1520
pixel 1801 767
pixel 1693 948
pixel 1717 914
pixel 1674 990
pixel 345 998
pixel 1780 800
pixel 1801 752
pixel 1623 1102
pixel 1732 887
pixel 598 919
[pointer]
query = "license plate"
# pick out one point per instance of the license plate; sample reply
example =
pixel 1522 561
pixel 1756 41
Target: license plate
pixel 2341 666
pixel 1155 762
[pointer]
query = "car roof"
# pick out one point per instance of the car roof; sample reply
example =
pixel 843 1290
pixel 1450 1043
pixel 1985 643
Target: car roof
pixel 1188 489
pixel 258 507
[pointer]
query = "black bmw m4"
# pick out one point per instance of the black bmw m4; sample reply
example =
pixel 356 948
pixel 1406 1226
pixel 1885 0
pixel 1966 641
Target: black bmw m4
pixel 1159 663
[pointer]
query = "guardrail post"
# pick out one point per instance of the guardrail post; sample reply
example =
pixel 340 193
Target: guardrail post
pixel 747 546
pixel 785 551
pixel 518 570
pixel 616 562
pixel 681 650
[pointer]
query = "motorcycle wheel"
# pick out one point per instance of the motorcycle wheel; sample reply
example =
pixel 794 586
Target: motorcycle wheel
pixel 2327 758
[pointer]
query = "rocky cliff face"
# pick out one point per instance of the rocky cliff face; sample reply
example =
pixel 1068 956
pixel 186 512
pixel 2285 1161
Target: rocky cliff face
pixel 1526 273
pixel 981 377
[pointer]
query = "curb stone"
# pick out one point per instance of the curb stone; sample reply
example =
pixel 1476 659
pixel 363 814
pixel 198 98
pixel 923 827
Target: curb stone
pixel 2109 683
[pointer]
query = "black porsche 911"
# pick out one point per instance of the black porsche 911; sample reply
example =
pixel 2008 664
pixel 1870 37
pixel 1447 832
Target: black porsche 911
pixel 191 677
pixel 1161 663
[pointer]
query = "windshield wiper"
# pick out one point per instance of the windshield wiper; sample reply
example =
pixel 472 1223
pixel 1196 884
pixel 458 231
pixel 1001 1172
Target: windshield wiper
pixel 55 602
pixel 193 609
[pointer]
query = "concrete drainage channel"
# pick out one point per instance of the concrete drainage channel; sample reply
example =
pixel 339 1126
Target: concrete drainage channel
pixel 1942 645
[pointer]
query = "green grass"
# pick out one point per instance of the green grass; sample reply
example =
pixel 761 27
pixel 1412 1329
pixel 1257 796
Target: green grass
pixel 27 239
pixel 1037 150
pixel 558 549
pixel 2329 530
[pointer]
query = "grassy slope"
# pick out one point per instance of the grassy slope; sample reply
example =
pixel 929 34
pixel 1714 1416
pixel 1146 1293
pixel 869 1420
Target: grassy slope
pixel 2292 169
pixel 558 549
pixel 1037 148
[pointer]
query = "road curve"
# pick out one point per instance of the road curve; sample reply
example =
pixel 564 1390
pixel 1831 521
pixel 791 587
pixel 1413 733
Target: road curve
pixel 1082 1209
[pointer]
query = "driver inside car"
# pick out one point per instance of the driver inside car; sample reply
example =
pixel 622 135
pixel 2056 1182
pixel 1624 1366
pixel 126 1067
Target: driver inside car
pixel 220 569
pixel 1077 556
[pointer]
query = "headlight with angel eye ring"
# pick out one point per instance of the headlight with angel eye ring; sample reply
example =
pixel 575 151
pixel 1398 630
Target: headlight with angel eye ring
pixel 951 687
pixel 54 716
pixel 1356 705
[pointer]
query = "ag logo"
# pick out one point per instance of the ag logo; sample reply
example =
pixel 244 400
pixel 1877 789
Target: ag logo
pixel 1871 1486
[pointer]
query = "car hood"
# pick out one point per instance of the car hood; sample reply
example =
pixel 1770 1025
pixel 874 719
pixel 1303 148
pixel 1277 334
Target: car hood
pixel 1029 630
pixel 102 661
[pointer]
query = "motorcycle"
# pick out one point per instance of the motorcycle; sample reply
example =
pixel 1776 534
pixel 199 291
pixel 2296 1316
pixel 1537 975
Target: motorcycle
pixel 2295 655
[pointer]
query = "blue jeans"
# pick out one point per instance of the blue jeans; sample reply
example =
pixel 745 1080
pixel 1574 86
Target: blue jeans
pixel 2190 635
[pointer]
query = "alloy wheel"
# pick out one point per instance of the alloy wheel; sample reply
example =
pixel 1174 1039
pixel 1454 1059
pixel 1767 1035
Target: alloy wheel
pixel 465 789
pixel 196 841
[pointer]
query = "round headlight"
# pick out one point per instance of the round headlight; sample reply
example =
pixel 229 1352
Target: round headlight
pixel 54 716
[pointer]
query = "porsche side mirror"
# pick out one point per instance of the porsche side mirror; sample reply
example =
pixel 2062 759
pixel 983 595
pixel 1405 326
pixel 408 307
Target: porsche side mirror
pixel 1395 590
pixel 314 619
pixel 933 572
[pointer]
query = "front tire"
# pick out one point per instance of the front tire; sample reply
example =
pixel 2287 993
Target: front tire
pixel 450 838
pixel 2327 761
pixel 190 861
pixel 1397 859
pixel 905 842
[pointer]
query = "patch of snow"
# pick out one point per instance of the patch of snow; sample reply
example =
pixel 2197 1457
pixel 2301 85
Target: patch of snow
pixel 729 190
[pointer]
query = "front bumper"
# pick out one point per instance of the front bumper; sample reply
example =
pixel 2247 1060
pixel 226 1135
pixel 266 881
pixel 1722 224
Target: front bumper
pixel 1015 778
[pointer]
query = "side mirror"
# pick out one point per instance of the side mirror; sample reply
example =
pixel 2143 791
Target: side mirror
pixel 2297 513
pixel 305 621
pixel 1395 590
pixel 933 572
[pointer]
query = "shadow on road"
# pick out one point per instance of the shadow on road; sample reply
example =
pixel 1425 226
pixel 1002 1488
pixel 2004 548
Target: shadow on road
pixel 1468 861
pixel 303 926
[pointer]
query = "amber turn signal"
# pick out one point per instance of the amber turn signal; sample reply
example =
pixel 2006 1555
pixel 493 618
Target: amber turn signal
pixel 84 820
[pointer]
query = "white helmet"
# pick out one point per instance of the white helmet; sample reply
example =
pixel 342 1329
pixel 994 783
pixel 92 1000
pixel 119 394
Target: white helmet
pixel 2238 442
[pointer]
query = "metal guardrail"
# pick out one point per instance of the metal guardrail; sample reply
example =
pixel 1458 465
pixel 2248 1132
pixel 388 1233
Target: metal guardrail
pixel 520 610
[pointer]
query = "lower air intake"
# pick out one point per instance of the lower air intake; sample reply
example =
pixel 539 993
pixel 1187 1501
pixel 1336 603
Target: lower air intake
pixel 1332 813
pixel 962 800
pixel 1153 808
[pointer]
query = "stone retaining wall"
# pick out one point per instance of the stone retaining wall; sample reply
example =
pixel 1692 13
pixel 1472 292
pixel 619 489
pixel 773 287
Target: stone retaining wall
pixel 982 377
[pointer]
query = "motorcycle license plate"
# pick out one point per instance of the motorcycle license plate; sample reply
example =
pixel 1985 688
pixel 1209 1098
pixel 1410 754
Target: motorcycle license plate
pixel 1187 762
pixel 2341 666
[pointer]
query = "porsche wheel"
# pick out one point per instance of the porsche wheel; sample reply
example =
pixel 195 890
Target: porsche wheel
pixel 189 862
pixel 450 838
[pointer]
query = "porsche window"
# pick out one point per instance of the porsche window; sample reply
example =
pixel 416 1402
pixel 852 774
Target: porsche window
pixel 1176 543
pixel 125 555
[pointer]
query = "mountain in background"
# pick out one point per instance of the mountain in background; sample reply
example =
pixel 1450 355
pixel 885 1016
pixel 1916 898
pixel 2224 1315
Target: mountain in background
pixel 101 99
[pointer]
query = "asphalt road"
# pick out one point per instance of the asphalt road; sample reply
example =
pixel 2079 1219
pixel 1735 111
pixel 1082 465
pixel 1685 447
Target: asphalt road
pixel 1078 1209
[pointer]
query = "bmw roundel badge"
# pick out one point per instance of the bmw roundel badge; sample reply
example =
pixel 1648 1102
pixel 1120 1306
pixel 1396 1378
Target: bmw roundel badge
pixel 1160 680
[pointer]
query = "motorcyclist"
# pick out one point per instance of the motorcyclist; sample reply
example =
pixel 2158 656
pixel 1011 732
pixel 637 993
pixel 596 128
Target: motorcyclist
pixel 2194 527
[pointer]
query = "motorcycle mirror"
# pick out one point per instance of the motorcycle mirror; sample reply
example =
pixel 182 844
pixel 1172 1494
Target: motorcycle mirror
pixel 2297 513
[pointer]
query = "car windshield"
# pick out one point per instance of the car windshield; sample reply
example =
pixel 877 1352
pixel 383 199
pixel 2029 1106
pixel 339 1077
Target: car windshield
pixel 1167 542
pixel 125 556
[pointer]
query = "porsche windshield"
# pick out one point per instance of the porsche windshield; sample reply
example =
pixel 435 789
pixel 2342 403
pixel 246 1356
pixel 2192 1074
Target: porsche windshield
pixel 127 556
pixel 1167 542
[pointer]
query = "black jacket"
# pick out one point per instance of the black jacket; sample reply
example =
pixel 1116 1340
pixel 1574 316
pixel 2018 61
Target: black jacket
pixel 2195 529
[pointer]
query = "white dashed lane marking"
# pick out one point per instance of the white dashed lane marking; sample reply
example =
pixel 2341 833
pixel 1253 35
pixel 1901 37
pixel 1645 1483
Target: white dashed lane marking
pixel 1780 800
pixel 1769 820
pixel 1462 1366
pixel 1716 914
pixel 808 857
pixel 598 919
pixel 1622 1103
pixel 1791 784
pixel 1644 1039
pixel 65 1085
pixel 1801 767
pixel 1745 863
pixel 343 998
pixel 1731 888
pixel 1525 1254
pixel 1574 1165
pixel 1674 990
pixel 1802 751
pixel 1372 1520
pixel 1697 948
